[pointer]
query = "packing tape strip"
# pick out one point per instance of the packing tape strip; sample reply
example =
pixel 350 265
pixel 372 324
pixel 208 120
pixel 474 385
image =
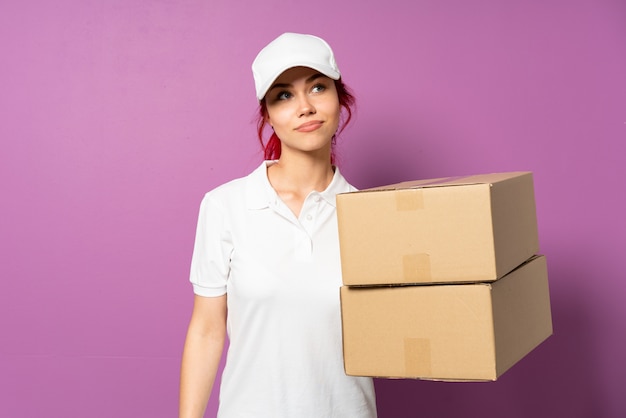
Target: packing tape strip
pixel 417 360
pixel 416 268
pixel 408 200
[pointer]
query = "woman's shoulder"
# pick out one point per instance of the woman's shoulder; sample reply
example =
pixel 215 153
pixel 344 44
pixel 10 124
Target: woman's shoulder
pixel 231 186
pixel 235 189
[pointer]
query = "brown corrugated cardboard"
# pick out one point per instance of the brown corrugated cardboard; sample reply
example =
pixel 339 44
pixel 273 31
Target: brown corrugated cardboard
pixel 470 229
pixel 454 332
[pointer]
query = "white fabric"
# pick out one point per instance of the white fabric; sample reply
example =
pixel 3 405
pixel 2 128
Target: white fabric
pixel 292 50
pixel 282 276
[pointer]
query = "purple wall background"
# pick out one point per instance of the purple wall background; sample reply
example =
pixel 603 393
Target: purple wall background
pixel 118 115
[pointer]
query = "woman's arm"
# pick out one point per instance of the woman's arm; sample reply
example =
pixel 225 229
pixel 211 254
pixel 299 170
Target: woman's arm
pixel 202 354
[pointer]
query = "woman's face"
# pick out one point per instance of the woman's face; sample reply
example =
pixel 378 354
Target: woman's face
pixel 303 108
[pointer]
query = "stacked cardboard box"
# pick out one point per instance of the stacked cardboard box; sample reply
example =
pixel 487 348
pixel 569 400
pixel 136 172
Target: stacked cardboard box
pixel 441 278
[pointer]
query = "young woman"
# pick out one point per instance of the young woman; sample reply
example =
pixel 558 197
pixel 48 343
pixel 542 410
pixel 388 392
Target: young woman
pixel 265 266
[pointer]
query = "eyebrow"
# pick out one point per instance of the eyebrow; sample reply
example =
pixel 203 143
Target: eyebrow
pixel 307 81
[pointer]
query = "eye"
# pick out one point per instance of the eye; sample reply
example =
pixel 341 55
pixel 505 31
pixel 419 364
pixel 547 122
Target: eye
pixel 283 95
pixel 318 88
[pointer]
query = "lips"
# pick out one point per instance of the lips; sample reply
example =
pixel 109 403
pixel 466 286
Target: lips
pixel 309 126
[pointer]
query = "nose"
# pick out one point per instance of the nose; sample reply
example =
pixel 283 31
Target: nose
pixel 306 107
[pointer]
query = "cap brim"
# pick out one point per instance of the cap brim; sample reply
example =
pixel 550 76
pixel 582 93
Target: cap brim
pixel 323 69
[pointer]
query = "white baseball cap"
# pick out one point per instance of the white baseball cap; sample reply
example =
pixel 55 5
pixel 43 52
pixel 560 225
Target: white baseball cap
pixel 292 50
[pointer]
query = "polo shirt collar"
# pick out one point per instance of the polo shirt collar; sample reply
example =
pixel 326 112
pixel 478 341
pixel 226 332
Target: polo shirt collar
pixel 259 192
pixel 337 185
pixel 261 195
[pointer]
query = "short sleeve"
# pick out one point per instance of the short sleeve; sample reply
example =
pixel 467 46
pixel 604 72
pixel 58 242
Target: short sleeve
pixel 210 263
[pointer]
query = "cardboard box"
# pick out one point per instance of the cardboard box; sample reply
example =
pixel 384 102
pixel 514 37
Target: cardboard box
pixel 470 229
pixel 453 332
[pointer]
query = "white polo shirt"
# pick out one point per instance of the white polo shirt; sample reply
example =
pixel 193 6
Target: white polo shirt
pixel 282 275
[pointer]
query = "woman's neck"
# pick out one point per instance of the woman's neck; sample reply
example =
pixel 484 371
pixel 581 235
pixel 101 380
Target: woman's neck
pixel 295 176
